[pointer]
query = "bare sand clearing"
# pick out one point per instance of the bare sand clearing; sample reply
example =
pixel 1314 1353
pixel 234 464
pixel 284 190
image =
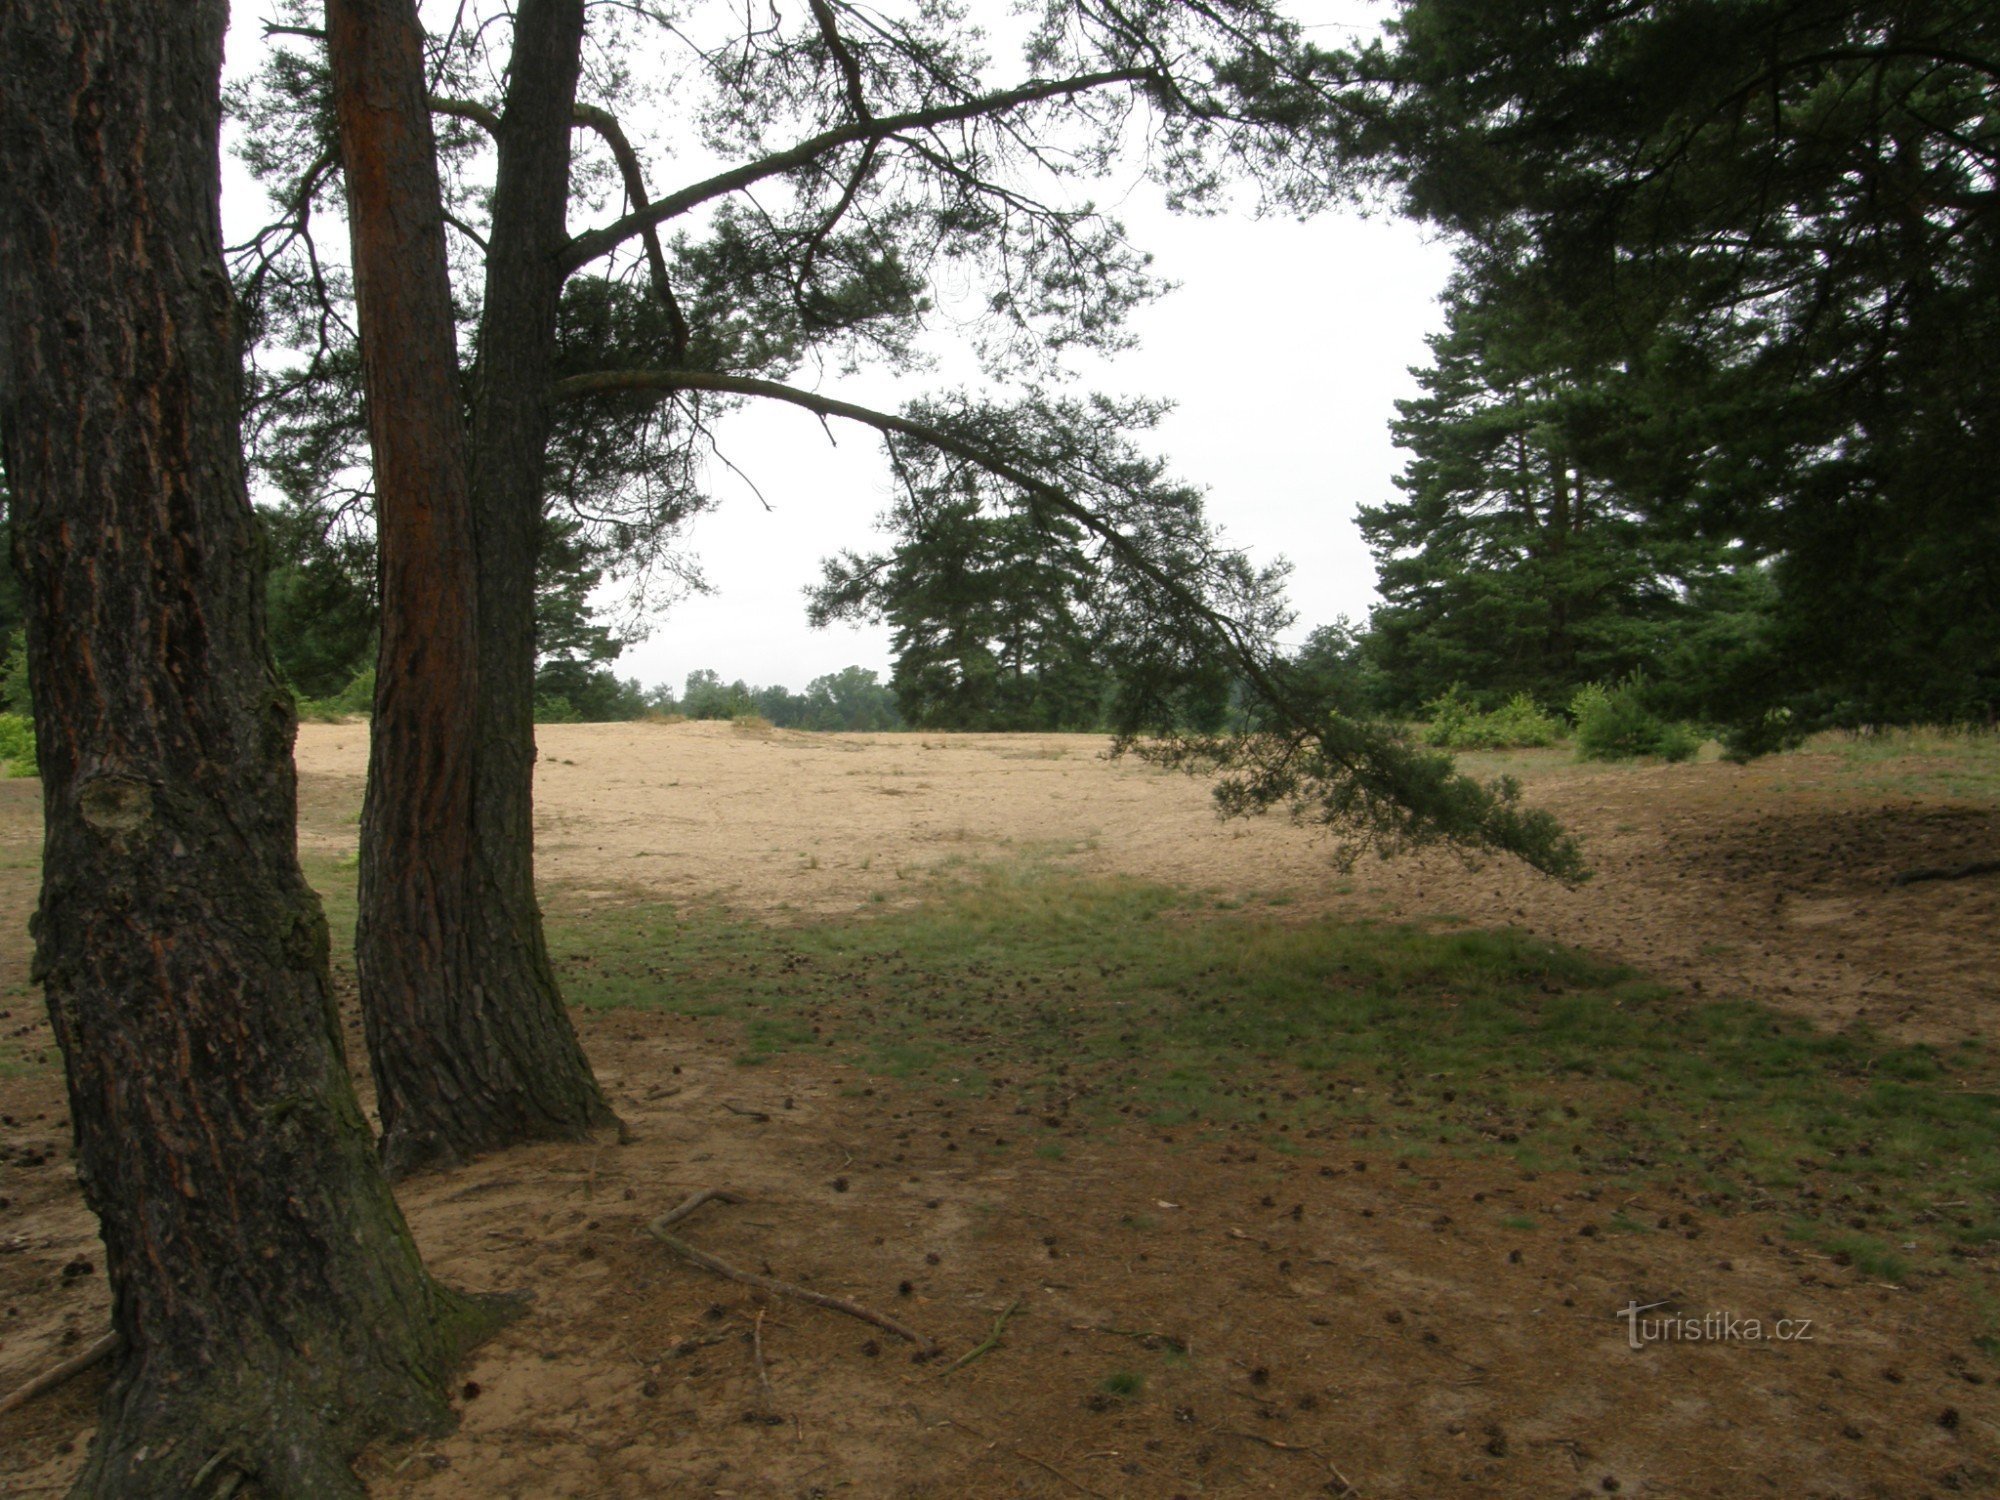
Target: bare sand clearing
pixel 1769 881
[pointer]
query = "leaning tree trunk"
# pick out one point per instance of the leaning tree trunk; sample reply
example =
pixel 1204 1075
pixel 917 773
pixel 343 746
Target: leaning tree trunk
pixel 470 1045
pixel 273 1311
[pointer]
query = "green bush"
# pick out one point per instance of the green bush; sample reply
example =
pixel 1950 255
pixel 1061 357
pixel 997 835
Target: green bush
pixel 1447 718
pixel 1613 722
pixel 17 745
pixel 14 696
pixel 1519 723
pixel 358 697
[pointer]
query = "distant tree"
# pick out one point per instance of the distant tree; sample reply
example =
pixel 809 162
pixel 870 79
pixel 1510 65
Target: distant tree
pixel 272 1312
pixel 990 613
pixel 322 601
pixel 853 700
pixel 574 647
pixel 1341 664
pixel 850 699
pixel 706 696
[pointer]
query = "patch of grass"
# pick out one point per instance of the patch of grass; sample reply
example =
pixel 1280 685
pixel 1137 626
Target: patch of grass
pixel 1138 1006
pixel 1126 1385
pixel 1519 1221
pixel 1927 761
pixel 1866 1253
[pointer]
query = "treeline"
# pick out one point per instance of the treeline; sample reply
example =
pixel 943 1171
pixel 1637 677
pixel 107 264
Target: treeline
pixel 852 699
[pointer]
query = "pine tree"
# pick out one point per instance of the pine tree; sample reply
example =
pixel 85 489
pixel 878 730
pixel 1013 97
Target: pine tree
pixel 1516 561
pixel 272 1312
pixel 1787 210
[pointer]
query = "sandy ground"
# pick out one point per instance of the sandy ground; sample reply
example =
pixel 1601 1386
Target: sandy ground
pixel 1331 1320
pixel 1769 881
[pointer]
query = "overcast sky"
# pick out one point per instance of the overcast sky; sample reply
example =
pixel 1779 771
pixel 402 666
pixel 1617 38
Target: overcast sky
pixel 1283 349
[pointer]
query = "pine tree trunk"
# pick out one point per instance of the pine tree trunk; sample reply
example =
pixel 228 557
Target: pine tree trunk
pixel 274 1312
pixel 510 430
pixel 470 1045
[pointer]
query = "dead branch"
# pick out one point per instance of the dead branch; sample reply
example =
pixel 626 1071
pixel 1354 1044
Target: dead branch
pixel 673 1216
pixel 1947 872
pixel 49 1379
pixel 990 1343
pixel 1043 1463
pixel 1347 1485
pixel 1148 1338
pixel 1040 1463
pixel 763 1375
pixel 658 1230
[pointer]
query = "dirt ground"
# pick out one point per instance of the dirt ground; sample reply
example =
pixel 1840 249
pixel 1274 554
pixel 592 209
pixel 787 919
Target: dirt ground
pixel 1193 1316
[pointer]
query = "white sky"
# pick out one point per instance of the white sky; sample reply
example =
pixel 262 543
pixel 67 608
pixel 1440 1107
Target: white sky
pixel 1284 349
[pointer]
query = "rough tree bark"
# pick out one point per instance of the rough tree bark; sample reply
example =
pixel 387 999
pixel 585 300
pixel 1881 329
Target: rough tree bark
pixel 468 1038
pixel 274 1311
pixel 511 415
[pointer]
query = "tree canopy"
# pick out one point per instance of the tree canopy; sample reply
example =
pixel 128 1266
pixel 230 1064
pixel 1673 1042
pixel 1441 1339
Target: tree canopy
pixel 1772 224
pixel 1520 557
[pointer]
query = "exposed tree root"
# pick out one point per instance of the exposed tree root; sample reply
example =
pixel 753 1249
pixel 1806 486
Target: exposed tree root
pixel 1947 872
pixel 50 1378
pixel 658 1229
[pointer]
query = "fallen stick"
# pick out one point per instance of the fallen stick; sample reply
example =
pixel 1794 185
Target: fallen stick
pixel 49 1379
pixel 992 1340
pixel 658 1230
pixel 1347 1485
pixel 763 1375
pixel 1043 1463
pixel 1022 1453
pixel 1947 872
pixel 687 1206
pixel 1147 1337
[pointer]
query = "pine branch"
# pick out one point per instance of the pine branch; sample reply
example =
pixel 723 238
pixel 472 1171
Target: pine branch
pixel 1347 771
pixel 598 242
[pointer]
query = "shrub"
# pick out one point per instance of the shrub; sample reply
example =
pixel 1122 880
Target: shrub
pixel 14 697
pixel 1448 717
pixel 17 745
pixel 1613 722
pixel 358 697
pixel 1519 723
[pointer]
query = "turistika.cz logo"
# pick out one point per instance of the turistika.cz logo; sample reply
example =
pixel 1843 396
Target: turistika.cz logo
pixel 1708 1328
